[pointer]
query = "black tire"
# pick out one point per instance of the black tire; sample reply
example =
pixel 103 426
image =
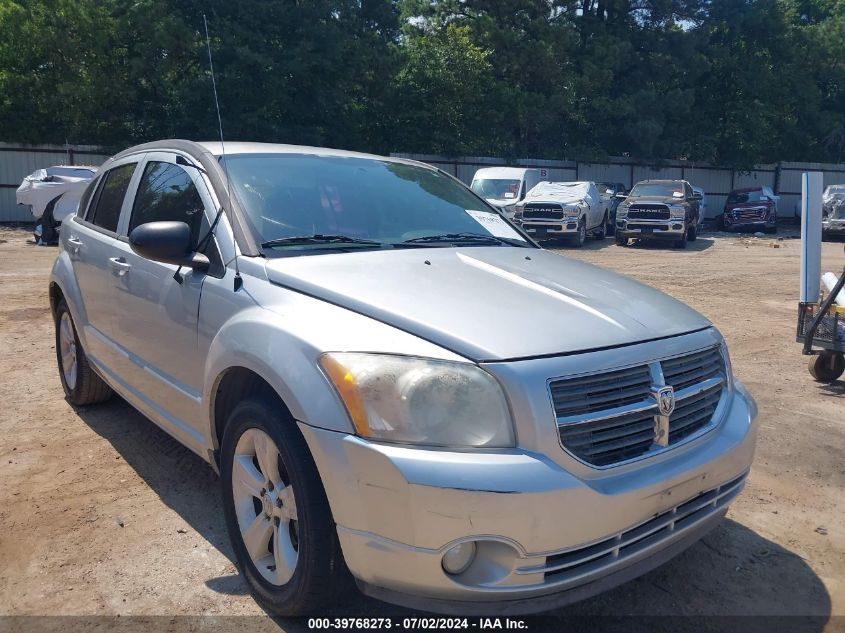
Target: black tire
pixel 601 232
pixel 621 241
pixel 320 577
pixel 692 235
pixel 771 230
pixel 827 367
pixel 681 243
pixel 88 387
pixel 578 242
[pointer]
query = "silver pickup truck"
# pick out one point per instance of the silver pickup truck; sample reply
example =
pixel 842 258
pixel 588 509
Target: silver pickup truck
pixel 335 334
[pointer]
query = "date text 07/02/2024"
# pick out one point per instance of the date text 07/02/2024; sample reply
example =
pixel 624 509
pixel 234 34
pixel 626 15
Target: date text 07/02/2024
pixel 431 623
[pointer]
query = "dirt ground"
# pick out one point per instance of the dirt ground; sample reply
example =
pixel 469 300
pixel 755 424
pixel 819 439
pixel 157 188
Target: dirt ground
pixel 101 513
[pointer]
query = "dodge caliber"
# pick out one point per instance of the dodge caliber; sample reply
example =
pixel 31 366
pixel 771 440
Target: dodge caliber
pixel 397 386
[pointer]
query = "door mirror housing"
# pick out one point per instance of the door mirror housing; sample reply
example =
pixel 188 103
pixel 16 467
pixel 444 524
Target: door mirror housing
pixel 622 195
pixel 167 242
pixel 696 196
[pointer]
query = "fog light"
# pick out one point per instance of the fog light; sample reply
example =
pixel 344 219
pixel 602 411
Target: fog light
pixel 677 227
pixel 457 559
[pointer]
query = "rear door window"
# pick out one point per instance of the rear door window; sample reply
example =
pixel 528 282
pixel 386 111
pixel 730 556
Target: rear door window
pixel 105 212
pixel 167 193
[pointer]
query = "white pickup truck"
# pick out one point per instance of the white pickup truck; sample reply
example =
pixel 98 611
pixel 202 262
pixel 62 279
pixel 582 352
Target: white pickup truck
pixel 568 210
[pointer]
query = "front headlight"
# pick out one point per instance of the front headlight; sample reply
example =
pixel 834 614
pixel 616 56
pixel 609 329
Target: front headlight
pixel 420 401
pixel 677 211
pixel 572 212
pixel 622 211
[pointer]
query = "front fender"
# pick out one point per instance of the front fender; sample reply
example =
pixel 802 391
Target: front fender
pixel 252 339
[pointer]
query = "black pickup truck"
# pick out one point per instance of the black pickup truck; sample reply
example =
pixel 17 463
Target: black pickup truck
pixel 658 210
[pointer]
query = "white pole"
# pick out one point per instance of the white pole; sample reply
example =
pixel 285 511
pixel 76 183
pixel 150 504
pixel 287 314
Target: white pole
pixel 811 235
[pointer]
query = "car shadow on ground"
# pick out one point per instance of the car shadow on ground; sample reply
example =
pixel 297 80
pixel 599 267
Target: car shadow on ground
pixel 731 572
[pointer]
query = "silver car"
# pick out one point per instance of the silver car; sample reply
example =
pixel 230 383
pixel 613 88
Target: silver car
pixel 396 385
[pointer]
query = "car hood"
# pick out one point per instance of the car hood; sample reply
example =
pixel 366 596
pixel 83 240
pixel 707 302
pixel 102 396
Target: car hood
pixel 653 199
pixel 748 205
pixel 490 303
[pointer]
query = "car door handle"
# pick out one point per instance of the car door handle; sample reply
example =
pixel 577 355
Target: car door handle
pixel 74 244
pixel 120 265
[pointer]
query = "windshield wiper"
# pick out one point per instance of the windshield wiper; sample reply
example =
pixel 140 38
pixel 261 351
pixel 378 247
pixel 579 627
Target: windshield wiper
pixel 460 238
pixel 318 239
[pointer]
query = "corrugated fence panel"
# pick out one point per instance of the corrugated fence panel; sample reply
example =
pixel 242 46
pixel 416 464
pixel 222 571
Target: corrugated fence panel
pixel 716 184
pixel 647 172
pixel 602 172
pixel 17 161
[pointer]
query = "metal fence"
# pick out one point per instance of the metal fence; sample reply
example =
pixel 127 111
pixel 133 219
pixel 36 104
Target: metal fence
pixel 17 161
pixel 784 178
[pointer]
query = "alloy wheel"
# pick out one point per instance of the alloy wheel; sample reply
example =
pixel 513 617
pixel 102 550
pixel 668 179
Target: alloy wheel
pixel 67 350
pixel 265 507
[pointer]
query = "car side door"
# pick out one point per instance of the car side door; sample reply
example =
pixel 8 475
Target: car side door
pixel 157 318
pixel 90 238
pixel 692 204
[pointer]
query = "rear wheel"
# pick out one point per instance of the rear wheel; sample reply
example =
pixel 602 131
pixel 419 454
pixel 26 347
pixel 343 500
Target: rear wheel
pixel 81 384
pixel 277 512
pixel 827 366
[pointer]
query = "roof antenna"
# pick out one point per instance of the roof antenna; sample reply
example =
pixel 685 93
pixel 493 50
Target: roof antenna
pixel 238 280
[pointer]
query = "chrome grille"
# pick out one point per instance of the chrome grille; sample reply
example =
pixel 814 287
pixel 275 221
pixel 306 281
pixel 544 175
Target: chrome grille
pixel 692 368
pixel 612 417
pixel 750 213
pixel 693 413
pixel 648 212
pixel 543 212
pixel 607 441
pixel 600 392
pixel 582 563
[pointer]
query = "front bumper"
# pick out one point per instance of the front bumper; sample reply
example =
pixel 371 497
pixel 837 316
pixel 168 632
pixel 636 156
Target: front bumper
pixel 566 227
pixel 732 225
pixel 833 226
pixel 671 229
pixel 544 536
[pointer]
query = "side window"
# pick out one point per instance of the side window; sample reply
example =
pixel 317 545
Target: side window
pixel 106 210
pixel 166 193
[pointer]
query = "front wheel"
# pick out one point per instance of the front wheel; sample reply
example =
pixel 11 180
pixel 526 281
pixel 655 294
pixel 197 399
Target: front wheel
pixel 827 366
pixel 681 243
pixel 581 237
pixel 693 233
pixel 601 232
pixel 277 512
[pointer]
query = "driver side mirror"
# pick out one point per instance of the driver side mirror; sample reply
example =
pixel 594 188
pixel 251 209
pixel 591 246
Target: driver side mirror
pixel 622 195
pixel 167 242
pixel 696 196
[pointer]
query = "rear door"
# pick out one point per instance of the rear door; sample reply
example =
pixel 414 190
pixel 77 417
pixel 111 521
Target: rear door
pixel 157 318
pixel 90 239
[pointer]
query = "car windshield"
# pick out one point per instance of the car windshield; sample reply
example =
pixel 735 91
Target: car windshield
pixel 496 188
pixel 72 172
pixel 740 197
pixel 308 202
pixel 658 189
